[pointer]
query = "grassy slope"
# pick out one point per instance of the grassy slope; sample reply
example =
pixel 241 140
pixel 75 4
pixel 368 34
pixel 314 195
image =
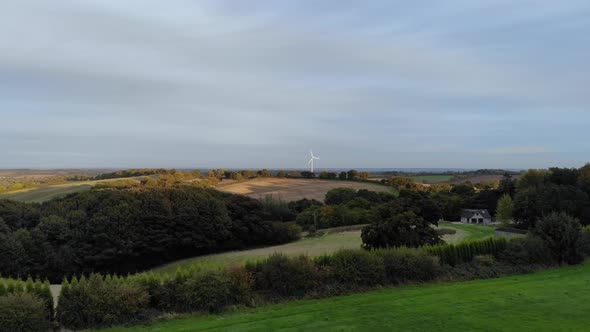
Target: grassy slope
pixel 309 246
pixel 43 194
pixel 553 300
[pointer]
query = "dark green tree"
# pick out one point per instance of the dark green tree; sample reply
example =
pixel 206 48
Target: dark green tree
pixel 404 229
pixel 561 233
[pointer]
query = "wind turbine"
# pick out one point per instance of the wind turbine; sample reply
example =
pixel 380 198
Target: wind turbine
pixel 311 159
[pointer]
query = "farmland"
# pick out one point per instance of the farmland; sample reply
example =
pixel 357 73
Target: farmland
pixel 43 194
pixel 332 241
pixel 551 300
pixel 294 189
pixel 46 193
pixel 432 178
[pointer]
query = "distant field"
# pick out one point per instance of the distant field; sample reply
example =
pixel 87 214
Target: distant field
pixel 42 194
pixel 294 189
pixel 432 178
pixel 315 246
pixel 552 300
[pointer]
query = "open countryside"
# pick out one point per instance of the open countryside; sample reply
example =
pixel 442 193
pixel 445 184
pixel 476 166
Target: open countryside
pixel 179 166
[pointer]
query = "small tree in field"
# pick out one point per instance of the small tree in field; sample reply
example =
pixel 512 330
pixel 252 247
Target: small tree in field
pixel 405 229
pixel 504 209
pixel 561 233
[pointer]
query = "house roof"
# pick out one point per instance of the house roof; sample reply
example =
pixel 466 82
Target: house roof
pixel 469 213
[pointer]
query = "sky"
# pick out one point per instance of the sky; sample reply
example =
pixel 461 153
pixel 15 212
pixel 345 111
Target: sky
pixel 252 84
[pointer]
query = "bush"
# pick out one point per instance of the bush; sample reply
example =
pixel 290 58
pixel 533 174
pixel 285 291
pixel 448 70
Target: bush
pixel 96 302
pixel 464 252
pixel 357 267
pixel 584 242
pixel 483 267
pixel 279 275
pixel 283 232
pixel 561 233
pixel 23 312
pixel 406 264
pixel 526 251
pixel 208 291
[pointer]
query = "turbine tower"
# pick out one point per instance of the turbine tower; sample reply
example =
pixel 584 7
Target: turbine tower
pixel 311 159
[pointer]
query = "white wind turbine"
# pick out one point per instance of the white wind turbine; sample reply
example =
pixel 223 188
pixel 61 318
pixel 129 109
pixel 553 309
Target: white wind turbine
pixel 311 160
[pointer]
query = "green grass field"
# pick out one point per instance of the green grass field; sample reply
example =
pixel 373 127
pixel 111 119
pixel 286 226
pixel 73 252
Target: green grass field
pixel 315 246
pixel 43 194
pixel 552 300
pixel 432 178
pixel 467 232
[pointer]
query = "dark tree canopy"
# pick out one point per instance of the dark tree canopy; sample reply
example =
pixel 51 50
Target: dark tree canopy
pixel 127 230
pixel 404 229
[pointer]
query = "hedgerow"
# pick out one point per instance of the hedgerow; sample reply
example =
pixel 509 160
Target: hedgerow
pixel 453 254
pixel 25 305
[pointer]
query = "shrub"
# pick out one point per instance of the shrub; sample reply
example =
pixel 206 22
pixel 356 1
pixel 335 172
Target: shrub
pixel 23 312
pixel 357 267
pixel 464 252
pixel 406 264
pixel 284 276
pixel 96 302
pixel 525 251
pixel 561 233
pixel 207 291
pixel 283 232
pixel 584 242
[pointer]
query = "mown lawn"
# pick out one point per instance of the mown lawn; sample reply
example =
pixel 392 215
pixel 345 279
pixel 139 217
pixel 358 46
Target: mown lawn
pixel 314 246
pixel 552 300
pixel 470 232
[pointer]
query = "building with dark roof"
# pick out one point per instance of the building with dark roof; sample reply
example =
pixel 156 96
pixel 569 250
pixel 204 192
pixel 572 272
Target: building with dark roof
pixel 473 216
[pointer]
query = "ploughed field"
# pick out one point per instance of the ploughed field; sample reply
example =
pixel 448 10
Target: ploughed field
pixel 295 189
pixel 551 300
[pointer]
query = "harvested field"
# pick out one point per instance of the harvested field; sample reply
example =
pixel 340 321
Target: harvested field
pixel 295 189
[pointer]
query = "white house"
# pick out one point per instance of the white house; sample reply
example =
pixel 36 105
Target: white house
pixel 471 216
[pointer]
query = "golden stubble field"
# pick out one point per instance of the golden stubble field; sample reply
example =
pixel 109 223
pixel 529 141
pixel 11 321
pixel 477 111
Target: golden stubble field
pixel 294 189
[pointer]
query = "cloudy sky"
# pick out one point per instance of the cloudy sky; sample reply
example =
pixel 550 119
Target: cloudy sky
pixel 468 84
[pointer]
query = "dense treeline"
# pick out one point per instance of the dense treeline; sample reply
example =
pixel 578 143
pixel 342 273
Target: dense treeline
pixel 128 230
pixel 540 192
